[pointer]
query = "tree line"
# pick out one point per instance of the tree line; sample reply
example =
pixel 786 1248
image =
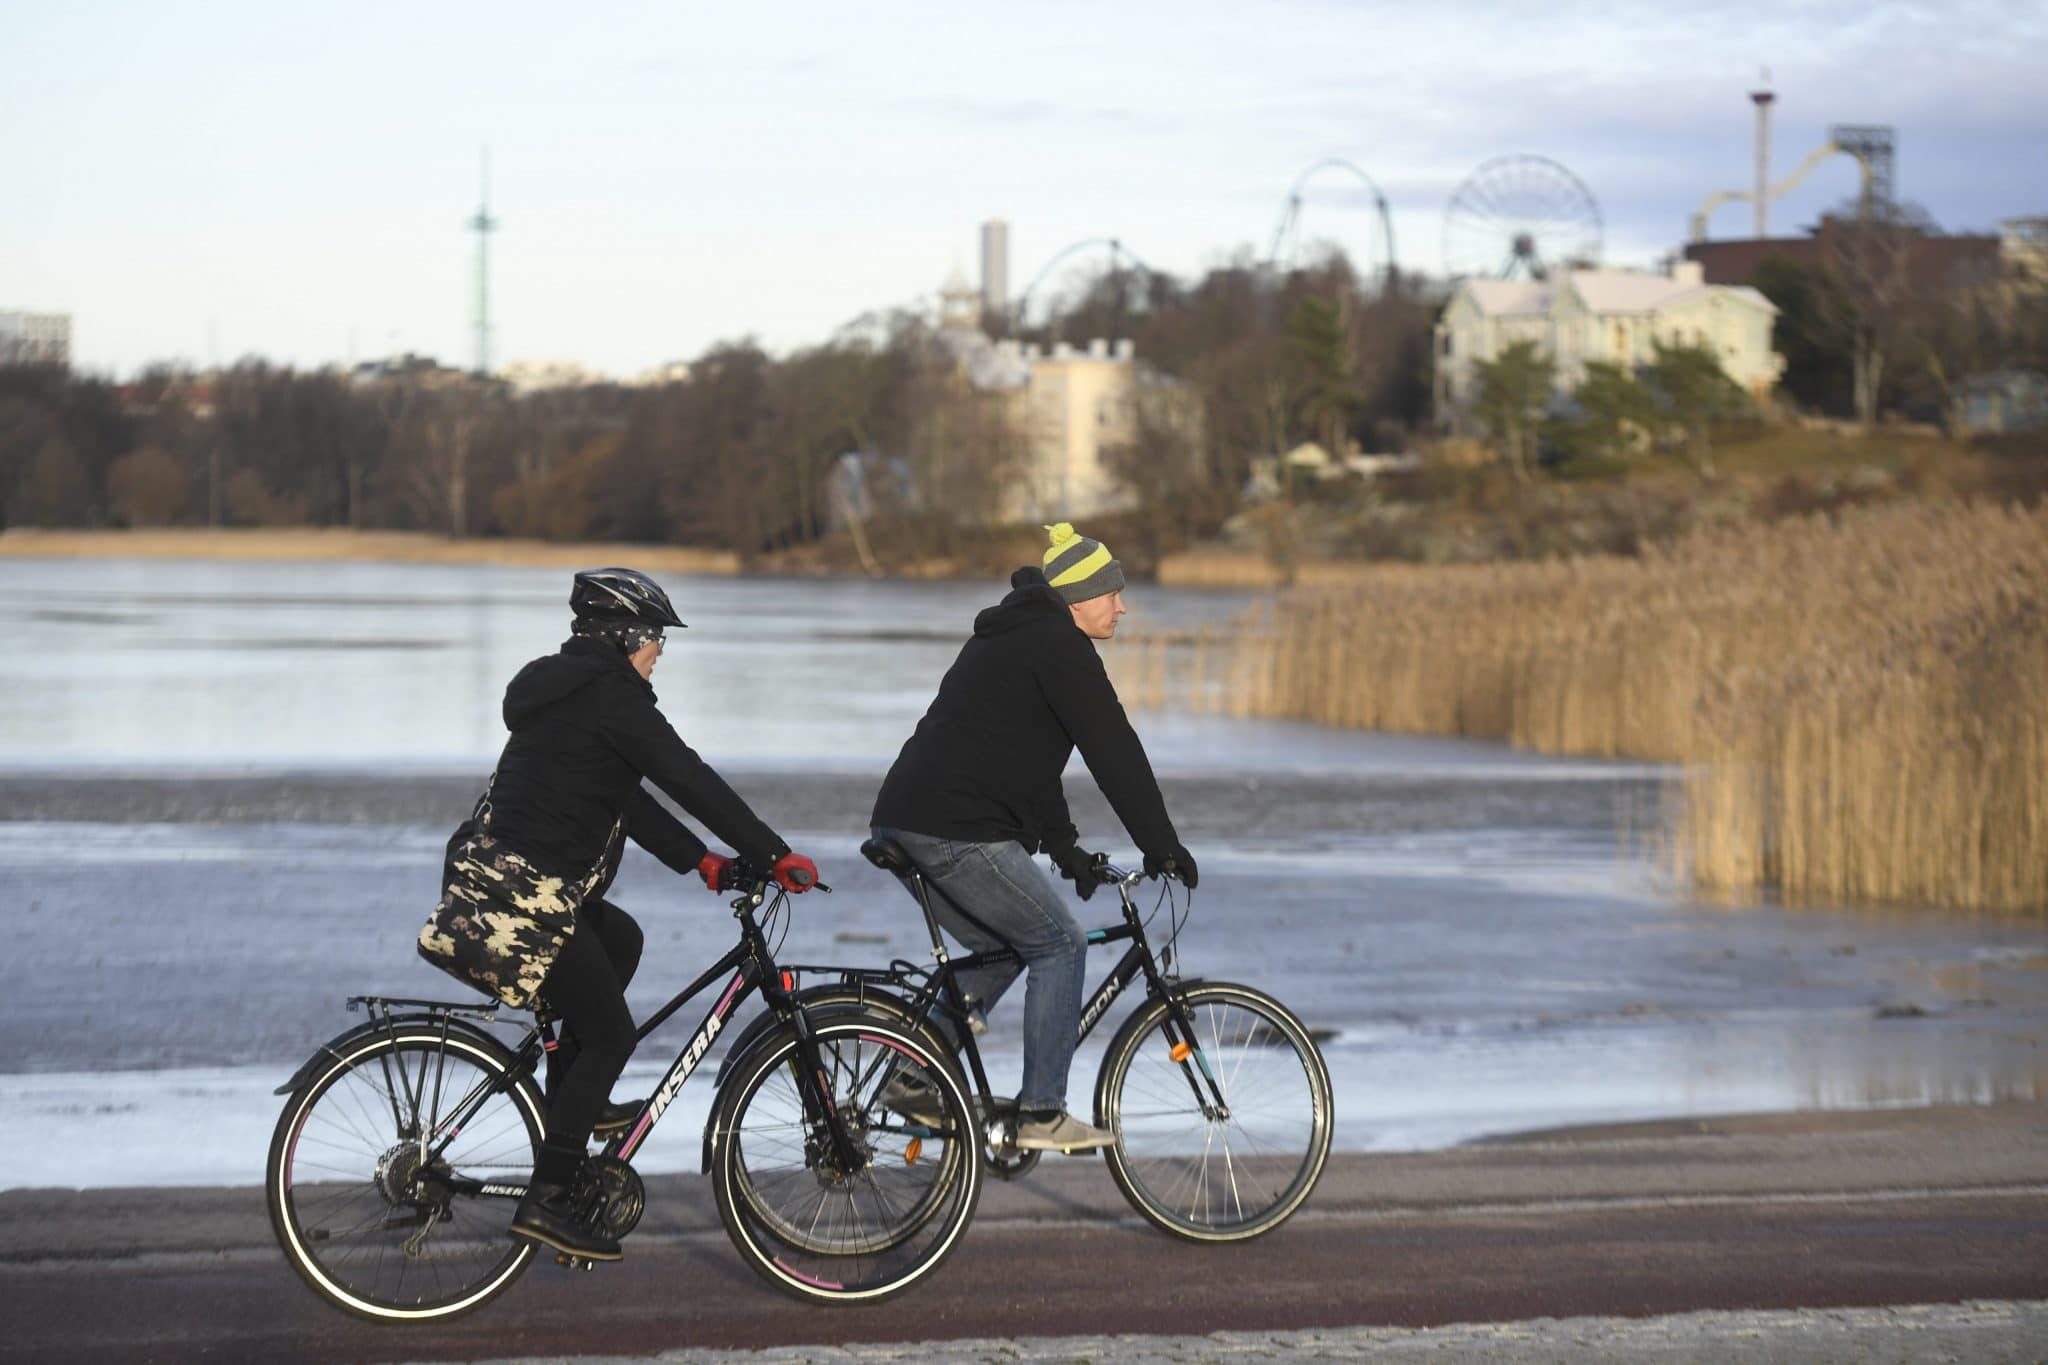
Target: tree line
pixel 744 453
pixel 740 454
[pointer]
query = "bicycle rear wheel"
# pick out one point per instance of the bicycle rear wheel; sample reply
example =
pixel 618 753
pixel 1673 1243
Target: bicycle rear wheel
pixel 368 1213
pixel 807 1221
pixel 1222 1134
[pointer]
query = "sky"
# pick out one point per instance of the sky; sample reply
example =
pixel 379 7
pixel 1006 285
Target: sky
pixel 199 183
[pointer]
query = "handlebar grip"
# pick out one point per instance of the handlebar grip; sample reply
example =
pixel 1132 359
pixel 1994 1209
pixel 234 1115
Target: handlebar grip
pixel 801 877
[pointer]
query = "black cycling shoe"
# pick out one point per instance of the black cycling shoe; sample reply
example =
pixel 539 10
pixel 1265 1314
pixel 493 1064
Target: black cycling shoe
pixel 547 1216
pixel 616 1116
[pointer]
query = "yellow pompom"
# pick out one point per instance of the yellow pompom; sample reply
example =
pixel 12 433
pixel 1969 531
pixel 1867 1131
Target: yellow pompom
pixel 1062 533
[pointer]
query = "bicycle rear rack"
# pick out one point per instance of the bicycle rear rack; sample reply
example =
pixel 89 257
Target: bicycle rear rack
pixel 381 1007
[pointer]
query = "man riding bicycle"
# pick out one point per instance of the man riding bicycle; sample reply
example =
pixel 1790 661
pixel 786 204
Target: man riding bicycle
pixel 976 792
pixel 525 916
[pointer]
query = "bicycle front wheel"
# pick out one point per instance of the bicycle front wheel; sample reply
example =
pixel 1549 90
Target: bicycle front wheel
pixel 373 1209
pixel 1222 1131
pixel 818 1222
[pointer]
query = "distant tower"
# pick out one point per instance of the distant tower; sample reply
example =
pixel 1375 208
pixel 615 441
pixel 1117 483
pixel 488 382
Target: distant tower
pixel 483 225
pixel 1762 99
pixel 995 269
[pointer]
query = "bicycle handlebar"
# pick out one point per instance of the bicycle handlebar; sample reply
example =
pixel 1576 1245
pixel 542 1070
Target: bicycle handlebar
pixel 1111 875
pixel 738 875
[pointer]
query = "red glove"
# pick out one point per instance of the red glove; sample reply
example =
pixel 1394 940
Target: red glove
pixel 794 872
pixel 711 867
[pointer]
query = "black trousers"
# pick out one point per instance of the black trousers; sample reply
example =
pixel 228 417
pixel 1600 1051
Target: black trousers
pixel 587 987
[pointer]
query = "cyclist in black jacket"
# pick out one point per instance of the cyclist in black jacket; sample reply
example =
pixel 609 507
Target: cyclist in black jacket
pixel 975 793
pixel 585 733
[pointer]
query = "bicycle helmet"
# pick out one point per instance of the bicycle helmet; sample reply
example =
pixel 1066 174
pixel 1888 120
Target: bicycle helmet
pixel 622 597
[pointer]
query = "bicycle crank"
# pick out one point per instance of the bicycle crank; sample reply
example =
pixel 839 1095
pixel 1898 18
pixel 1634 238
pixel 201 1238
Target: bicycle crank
pixel 611 1191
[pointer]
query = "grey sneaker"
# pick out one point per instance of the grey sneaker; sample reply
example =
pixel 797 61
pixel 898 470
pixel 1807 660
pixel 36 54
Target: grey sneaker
pixel 1063 1133
pixel 914 1098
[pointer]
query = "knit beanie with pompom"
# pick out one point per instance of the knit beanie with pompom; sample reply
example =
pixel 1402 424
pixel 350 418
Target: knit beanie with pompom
pixel 1079 568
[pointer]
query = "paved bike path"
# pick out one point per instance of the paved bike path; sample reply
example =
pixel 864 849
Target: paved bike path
pixel 1802 1211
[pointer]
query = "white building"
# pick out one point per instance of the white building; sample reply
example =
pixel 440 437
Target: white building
pixel 1079 406
pixel 668 372
pixel 535 376
pixel 1577 316
pixel 1075 406
pixel 35 338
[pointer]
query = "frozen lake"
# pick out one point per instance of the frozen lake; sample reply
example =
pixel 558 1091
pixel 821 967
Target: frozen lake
pixel 225 787
pixel 130 662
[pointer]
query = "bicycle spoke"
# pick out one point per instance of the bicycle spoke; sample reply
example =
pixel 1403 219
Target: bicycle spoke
pixel 814 1227
pixel 348 1178
pixel 1234 1171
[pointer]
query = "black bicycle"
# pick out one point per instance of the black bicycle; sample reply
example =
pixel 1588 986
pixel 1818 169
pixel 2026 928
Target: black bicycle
pixel 1217 1093
pixel 407 1140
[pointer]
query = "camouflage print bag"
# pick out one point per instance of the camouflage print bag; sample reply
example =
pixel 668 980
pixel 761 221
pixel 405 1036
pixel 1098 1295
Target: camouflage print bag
pixel 501 921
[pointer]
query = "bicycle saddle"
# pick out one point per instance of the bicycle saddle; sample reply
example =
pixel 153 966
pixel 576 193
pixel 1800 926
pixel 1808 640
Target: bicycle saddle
pixel 888 855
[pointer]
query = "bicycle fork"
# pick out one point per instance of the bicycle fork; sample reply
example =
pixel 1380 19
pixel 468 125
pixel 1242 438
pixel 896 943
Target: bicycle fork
pixel 1184 1047
pixel 816 1088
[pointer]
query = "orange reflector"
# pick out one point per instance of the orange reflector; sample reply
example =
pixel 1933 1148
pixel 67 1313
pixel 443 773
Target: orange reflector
pixel 789 981
pixel 913 1151
pixel 1181 1052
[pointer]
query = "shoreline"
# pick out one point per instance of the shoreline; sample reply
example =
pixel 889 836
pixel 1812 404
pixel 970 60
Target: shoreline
pixel 308 543
pixel 1214 568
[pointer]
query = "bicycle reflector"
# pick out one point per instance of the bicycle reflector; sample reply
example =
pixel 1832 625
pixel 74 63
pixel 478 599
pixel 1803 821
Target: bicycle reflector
pixel 788 979
pixel 1182 1051
pixel 913 1151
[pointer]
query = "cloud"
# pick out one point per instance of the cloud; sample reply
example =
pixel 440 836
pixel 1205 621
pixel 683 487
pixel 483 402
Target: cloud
pixel 1031 113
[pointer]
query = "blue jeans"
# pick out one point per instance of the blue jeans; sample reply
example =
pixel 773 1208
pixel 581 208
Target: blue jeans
pixel 1019 906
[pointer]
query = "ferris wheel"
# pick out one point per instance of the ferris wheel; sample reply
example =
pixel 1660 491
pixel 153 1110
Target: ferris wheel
pixel 1520 216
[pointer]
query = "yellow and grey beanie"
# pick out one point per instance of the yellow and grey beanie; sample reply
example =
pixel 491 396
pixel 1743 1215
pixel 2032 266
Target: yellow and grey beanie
pixel 1079 568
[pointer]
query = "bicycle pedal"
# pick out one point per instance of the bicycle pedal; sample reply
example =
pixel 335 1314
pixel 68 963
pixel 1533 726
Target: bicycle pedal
pixel 564 1259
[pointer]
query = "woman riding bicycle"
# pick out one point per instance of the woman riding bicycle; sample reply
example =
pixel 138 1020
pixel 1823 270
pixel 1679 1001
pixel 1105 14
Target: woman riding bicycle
pixel 525 914
pixel 975 793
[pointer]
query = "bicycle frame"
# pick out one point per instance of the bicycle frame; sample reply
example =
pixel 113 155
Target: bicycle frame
pixel 938 987
pixel 753 968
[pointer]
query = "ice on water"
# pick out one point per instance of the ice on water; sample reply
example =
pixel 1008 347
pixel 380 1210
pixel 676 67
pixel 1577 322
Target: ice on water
pixel 1479 953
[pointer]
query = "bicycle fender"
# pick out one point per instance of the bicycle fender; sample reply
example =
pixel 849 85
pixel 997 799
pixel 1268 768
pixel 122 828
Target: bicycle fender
pixel 749 1038
pixel 332 1048
pixel 827 996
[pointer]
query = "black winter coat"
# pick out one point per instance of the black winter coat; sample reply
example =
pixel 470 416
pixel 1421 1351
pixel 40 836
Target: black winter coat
pixel 585 731
pixel 984 764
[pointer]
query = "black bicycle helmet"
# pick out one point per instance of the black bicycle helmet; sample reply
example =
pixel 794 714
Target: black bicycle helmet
pixel 621 595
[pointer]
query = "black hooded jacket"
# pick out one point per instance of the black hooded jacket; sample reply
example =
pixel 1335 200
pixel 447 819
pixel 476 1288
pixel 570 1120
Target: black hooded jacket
pixel 984 764
pixel 585 731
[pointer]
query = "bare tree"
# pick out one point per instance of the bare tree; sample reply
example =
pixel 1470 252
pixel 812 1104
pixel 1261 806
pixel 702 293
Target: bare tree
pixel 1867 263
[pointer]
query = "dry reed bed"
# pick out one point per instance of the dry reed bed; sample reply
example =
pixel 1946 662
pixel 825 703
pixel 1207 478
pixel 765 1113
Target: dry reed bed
pixel 1861 705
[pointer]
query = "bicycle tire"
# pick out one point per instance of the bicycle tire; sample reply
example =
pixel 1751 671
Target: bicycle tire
pixel 831 1240
pixel 807 1226
pixel 861 999
pixel 342 1179
pixel 823 1001
pixel 1195 1174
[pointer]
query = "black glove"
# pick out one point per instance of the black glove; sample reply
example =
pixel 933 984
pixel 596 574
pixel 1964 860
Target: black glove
pixel 1079 866
pixel 1179 863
